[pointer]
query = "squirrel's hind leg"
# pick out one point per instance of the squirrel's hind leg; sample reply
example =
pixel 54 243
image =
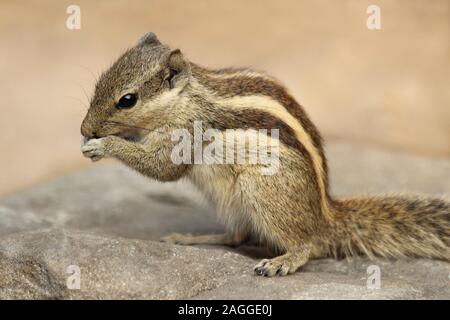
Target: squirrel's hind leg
pixel 284 264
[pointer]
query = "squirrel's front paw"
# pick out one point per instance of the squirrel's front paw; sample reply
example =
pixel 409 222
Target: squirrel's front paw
pixel 94 149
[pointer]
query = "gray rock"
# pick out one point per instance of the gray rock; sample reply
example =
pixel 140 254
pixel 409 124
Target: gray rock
pixel 106 222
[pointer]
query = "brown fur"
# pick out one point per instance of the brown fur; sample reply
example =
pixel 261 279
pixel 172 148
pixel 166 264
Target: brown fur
pixel 290 211
pixel 248 85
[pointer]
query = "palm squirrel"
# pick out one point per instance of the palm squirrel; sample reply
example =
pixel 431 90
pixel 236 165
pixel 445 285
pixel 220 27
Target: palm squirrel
pixel 152 90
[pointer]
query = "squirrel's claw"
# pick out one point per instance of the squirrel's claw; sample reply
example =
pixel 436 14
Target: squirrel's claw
pixel 93 149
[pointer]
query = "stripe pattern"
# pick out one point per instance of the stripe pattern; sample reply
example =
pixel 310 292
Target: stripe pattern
pixel 255 100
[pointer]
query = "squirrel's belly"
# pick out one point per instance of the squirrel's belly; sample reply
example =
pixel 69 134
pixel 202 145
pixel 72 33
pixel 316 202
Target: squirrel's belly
pixel 218 184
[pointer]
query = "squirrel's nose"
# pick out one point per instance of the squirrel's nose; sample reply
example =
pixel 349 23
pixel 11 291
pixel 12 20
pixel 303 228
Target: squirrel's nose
pixel 87 131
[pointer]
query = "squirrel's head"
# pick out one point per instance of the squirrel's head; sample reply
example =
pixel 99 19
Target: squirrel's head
pixel 137 90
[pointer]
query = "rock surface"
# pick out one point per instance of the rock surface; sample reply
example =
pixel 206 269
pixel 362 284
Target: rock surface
pixel 107 221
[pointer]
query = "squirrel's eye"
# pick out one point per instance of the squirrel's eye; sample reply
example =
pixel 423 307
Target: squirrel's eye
pixel 127 101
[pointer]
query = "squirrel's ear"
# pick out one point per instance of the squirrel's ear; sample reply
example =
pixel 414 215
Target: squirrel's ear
pixel 179 69
pixel 176 60
pixel 149 39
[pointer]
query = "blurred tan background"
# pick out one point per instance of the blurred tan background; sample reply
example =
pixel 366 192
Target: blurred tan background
pixel 387 88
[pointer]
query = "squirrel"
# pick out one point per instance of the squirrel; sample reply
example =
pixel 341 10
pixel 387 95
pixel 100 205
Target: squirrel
pixel 152 90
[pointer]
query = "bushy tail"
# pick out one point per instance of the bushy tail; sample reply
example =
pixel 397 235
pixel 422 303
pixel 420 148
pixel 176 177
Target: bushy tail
pixel 392 226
